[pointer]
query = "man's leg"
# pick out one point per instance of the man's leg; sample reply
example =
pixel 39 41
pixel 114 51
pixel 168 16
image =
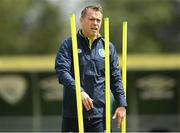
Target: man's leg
pixel 69 125
pixel 95 125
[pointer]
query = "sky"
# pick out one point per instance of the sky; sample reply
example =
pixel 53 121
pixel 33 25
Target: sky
pixel 68 7
pixel 73 6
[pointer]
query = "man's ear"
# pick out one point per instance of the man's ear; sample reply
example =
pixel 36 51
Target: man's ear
pixel 81 19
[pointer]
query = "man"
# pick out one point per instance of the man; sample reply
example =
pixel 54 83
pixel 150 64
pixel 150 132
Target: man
pixel 92 76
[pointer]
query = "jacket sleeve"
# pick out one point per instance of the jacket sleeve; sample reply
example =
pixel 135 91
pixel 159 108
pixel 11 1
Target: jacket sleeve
pixel 115 78
pixel 64 66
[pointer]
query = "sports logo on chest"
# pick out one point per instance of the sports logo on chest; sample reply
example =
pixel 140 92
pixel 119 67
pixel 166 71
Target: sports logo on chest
pixel 101 52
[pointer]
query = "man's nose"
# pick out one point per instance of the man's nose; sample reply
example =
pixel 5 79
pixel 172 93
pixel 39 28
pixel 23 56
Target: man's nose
pixel 95 22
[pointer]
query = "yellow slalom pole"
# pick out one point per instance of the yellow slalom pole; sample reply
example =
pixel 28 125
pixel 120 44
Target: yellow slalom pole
pixel 107 73
pixel 76 73
pixel 124 66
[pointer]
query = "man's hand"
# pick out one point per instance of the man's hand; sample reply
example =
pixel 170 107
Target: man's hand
pixel 119 115
pixel 87 101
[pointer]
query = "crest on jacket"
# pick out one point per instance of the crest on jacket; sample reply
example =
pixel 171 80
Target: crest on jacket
pixel 101 52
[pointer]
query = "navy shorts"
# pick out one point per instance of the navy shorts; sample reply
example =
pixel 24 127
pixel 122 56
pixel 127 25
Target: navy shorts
pixel 90 125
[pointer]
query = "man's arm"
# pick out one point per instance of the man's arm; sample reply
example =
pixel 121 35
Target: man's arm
pixel 116 88
pixel 115 78
pixel 63 65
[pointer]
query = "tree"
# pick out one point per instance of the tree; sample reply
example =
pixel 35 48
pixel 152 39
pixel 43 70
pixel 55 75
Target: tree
pixel 28 27
pixel 146 23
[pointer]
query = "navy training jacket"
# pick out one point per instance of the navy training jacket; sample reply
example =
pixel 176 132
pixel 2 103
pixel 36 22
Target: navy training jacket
pixel 92 76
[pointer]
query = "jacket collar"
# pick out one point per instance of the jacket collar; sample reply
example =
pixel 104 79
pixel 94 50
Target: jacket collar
pixel 86 38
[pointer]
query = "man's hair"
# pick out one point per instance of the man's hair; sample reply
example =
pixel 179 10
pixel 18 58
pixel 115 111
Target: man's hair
pixel 94 7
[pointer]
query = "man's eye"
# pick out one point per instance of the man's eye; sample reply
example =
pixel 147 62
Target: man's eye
pixel 92 19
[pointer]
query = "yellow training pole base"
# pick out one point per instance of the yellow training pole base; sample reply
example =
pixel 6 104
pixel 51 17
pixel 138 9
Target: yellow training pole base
pixel 76 68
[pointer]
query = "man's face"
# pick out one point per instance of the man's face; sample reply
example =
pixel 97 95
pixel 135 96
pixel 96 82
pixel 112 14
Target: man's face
pixel 91 23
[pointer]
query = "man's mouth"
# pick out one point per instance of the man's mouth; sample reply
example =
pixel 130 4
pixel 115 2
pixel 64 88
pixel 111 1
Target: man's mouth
pixel 94 28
